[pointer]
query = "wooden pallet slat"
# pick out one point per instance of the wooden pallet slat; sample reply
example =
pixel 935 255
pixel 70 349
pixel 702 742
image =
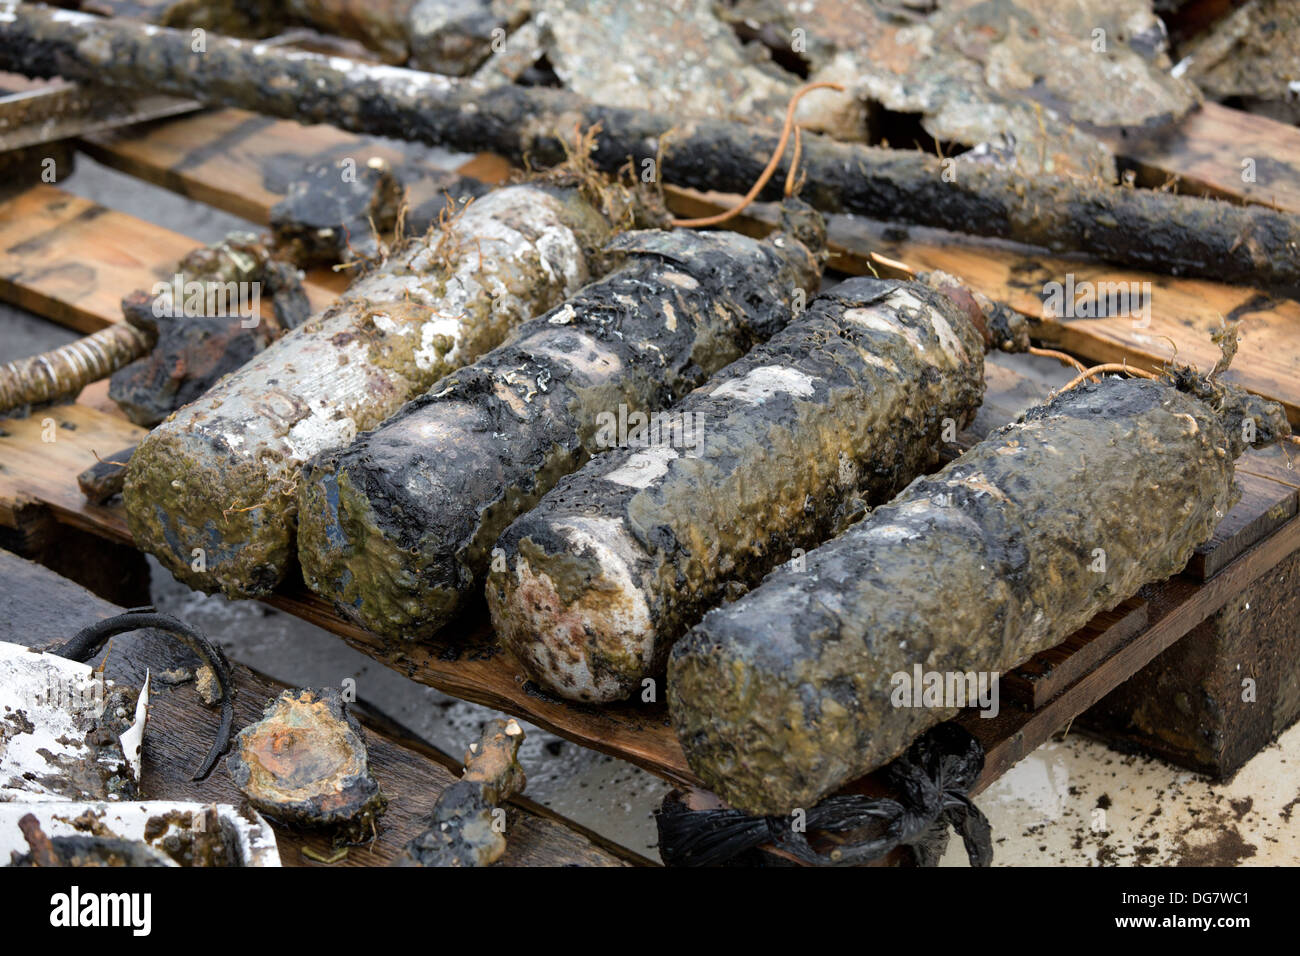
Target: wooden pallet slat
pixel 72 260
pixel 1045 675
pixel 1207 150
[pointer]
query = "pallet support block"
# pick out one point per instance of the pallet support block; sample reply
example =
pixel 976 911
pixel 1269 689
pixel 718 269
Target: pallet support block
pixel 1221 694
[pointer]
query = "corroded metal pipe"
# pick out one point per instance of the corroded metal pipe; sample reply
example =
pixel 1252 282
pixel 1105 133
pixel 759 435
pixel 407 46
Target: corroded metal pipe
pixel 846 405
pixel 1137 227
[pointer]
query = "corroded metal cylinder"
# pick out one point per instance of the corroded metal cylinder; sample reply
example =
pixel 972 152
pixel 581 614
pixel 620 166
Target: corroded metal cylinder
pixel 848 403
pixel 212 491
pixel 397 528
pixel 788 693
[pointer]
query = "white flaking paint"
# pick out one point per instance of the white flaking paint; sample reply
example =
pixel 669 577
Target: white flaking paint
pixel 758 385
pixel 59 699
pixel 253 838
pixel 643 467
pixel 132 740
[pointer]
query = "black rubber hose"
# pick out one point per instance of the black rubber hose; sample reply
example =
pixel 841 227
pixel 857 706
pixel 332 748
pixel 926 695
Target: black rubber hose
pixel 88 641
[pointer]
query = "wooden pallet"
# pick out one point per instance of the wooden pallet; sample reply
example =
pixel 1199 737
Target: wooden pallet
pixel 241 163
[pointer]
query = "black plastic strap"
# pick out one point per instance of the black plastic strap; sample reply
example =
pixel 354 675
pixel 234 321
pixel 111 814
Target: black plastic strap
pixel 931 781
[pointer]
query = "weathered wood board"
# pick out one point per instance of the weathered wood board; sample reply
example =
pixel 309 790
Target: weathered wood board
pixel 1220 151
pixel 1045 675
pixel 72 260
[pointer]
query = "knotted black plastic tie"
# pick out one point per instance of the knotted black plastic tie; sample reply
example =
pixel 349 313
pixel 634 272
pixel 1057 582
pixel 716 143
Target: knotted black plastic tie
pixel 931 780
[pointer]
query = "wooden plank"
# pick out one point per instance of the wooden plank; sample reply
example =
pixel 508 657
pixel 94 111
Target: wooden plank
pixel 469 663
pixel 1265 505
pixel 1045 675
pixel 33 470
pixel 1206 152
pixel 243 162
pixel 412 777
pixel 72 260
pixel 231 159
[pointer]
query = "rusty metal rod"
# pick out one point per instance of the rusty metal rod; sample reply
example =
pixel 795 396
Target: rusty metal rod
pixel 1179 235
pixel 65 371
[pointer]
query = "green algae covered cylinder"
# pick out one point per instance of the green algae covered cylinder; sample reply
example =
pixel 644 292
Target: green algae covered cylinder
pixel 785 695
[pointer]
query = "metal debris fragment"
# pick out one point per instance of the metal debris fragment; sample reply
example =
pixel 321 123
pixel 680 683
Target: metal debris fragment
pixel 467 825
pixel 1254 54
pixel 1036 77
pixel 65 730
pixel 102 480
pixel 305 763
pixel 676 57
pixel 331 215
pixel 147 833
pixel 86 643
pixel 205 322
pixel 63 372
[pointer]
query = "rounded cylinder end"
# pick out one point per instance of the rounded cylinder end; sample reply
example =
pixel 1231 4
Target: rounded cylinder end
pixel 563 598
pixel 218 522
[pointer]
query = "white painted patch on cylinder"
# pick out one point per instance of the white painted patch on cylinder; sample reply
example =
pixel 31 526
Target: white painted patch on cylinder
pixel 876 321
pixel 564 316
pixel 627 622
pixel 758 385
pixel 947 337
pixel 643 467
pixel 681 280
